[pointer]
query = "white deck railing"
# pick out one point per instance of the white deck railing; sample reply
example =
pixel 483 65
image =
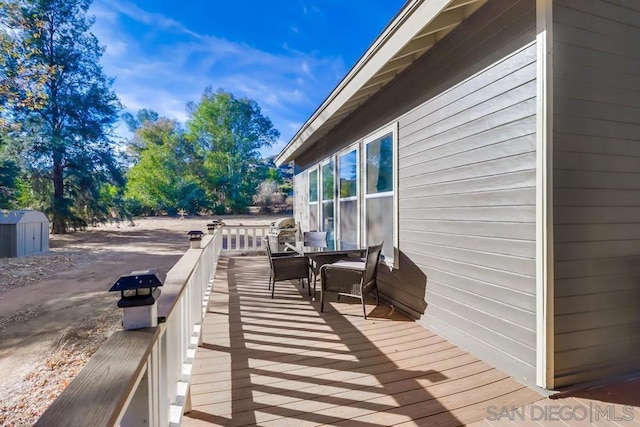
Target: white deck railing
pixel 141 377
pixel 244 238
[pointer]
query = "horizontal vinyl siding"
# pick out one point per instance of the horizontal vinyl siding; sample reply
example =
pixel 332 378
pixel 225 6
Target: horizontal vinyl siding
pixel 596 189
pixel 467 194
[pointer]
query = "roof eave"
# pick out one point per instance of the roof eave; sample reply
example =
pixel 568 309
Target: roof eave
pixel 410 24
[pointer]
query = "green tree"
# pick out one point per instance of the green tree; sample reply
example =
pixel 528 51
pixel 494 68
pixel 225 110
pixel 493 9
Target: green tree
pixel 21 80
pixel 231 132
pixel 142 116
pixel 161 179
pixel 14 193
pixel 70 133
pixel 9 172
pixel 282 175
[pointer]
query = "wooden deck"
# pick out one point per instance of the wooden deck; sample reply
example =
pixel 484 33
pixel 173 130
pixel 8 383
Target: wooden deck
pixel 281 362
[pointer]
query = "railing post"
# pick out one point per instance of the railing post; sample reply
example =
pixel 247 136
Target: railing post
pixel 254 246
pixel 153 368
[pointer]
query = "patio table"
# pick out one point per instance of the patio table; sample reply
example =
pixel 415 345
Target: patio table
pixel 330 247
pixel 326 252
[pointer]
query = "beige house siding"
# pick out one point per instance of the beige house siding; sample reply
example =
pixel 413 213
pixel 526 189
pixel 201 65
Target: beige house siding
pixel 467 193
pixel 596 188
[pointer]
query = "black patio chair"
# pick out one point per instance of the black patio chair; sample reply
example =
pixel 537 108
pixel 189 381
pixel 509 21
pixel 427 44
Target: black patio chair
pixel 286 266
pixel 352 278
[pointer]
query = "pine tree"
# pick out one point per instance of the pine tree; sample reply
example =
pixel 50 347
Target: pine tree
pixel 70 131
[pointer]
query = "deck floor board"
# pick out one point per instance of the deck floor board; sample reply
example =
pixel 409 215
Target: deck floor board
pixel 280 362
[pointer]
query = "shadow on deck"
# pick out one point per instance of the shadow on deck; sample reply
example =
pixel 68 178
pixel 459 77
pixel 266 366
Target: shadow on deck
pixel 281 362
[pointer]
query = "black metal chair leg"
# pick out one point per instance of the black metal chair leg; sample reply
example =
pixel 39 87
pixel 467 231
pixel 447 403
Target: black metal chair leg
pixel 314 286
pixel 364 308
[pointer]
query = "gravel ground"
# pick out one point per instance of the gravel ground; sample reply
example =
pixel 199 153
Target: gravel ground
pixel 45 379
pixel 18 272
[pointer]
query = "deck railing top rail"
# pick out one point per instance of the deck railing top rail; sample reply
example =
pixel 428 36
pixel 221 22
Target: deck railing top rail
pixel 141 377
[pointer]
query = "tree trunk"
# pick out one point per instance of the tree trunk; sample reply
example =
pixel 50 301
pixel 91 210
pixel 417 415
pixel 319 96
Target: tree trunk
pixel 58 215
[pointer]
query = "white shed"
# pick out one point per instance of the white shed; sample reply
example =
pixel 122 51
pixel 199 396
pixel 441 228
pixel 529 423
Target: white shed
pixel 23 233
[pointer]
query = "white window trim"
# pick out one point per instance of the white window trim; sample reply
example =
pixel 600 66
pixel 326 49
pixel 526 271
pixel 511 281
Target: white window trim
pixel 321 200
pixel 354 147
pixel 316 204
pixel 393 130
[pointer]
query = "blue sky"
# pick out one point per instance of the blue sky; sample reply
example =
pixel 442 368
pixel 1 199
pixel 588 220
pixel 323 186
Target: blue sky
pixel 287 55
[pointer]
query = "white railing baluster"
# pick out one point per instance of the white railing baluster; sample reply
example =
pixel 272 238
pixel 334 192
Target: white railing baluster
pixel 242 238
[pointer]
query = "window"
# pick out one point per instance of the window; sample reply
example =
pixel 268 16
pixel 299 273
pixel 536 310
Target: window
pixel 380 215
pixel 348 196
pixel 353 195
pixel 313 199
pixel 328 197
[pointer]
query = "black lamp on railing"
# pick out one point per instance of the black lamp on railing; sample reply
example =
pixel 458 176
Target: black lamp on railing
pixel 195 237
pixel 138 295
pixel 211 227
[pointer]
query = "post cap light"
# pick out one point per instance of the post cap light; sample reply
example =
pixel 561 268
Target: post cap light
pixel 138 288
pixel 213 225
pixel 195 235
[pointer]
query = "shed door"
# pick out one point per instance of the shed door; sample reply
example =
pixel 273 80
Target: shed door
pixel 32 239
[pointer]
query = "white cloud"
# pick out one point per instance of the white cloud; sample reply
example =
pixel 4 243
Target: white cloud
pixel 117 48
pixel 173 71
pixel 155 19
pixel 305 69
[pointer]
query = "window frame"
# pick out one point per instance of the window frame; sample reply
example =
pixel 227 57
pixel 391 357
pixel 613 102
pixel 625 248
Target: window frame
pixel 377 135
pixel 317 201
pixel 353 147
pixel 321 199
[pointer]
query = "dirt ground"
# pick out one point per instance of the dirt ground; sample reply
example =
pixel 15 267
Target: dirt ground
pixel 55 309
